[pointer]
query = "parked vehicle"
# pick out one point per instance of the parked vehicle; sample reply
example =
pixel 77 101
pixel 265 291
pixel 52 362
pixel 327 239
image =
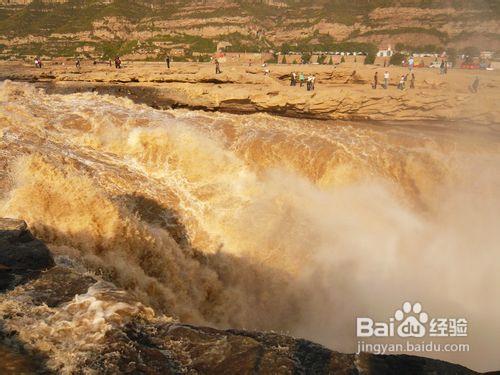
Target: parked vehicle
pixel 437 64
pixel 470 65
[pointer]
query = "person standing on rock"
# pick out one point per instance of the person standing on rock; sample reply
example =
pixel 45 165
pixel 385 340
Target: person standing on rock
pixel 475 85
pixel 77 63
pixel 401 84
pixel 167 60
pixel 313 81
pixel 375 80
pixel 293 80
pixel 217 67
pixel 411 63
pixel 302 78
pixel 386 79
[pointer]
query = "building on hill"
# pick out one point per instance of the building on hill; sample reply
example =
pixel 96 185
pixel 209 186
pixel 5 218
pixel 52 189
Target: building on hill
pixel 487 55
pixel 178 52
pixel 221 46
pixel 385 52
pixel 85 48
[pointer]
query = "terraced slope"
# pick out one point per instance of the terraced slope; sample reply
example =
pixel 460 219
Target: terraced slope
pixel 149 28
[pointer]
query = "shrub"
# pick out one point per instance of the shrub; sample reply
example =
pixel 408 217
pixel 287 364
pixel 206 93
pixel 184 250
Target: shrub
pixel 451 54
pixel 396 59
pixel 306 57
pixel 471 51
pixel 370 59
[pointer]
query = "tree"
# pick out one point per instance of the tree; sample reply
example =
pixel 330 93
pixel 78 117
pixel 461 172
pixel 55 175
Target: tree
pixel 285 48
pixel 283 60
pixel 471 51
pixel 330 62
pixel 396 59
pixel 342 59
pixel 370 58
pixel 451 54
pixel 306 57
pixel 400 47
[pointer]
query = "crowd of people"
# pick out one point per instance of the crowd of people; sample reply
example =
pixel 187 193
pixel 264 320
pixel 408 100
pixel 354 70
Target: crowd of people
pixel 301 78
pixel 309 81
pixel 402 81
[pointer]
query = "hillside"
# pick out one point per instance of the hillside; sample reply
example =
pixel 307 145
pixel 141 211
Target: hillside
pixel 147 29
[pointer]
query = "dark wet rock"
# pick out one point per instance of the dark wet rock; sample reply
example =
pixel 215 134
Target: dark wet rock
pixel 57 286
pixel 143 348
pixel 21 255
pixel 16 361
pixel 408 364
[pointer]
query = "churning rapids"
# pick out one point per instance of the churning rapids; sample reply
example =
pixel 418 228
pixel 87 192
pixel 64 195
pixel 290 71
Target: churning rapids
pixel 258 222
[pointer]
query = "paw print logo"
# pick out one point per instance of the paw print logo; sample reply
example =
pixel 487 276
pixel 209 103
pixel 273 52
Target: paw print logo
pixel 412 320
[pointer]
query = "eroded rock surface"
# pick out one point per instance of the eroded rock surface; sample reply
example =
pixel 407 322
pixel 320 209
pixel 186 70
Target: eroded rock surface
pixel 342 92
pixel 21 255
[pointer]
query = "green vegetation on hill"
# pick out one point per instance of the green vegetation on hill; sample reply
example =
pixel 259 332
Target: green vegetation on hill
pixel 407 30
pixel 108 50
pixel 326 43
pixel 427 48
pixel 242 43
pixel 196 43
pixel 40 18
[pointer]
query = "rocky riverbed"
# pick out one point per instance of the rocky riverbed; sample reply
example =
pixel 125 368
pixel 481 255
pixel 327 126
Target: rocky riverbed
pixel 342 92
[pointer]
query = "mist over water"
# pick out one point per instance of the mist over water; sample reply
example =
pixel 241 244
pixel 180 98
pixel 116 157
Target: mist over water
pixel 259 222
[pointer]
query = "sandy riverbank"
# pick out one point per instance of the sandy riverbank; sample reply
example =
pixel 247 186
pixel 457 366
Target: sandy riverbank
pixel 342 92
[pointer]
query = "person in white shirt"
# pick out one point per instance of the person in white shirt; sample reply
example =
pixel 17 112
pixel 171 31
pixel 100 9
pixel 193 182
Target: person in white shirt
pixel 401 84
pixel 411 62
pixel 386 79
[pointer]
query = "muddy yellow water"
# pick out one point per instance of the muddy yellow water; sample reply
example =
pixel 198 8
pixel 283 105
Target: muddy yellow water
pixel 260 222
